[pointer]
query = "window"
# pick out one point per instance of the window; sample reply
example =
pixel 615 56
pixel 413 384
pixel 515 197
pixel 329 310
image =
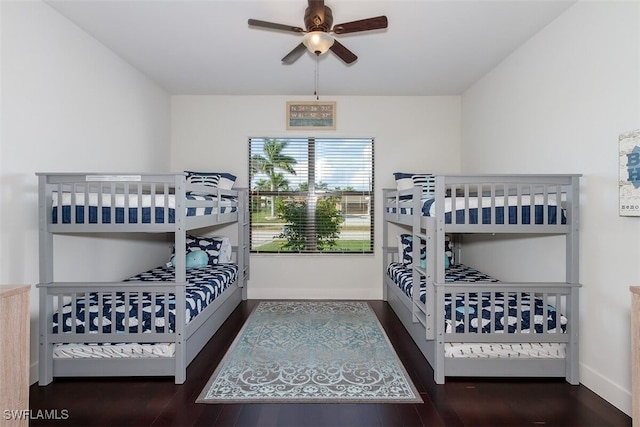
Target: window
pixel 311 195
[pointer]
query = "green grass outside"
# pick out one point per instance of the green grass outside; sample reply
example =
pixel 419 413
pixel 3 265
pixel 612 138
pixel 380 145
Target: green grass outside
pixel 341 246
pixel 261 218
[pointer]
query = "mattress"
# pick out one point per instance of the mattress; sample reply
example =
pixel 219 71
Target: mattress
pixel 505 350
pixel 480 209
pixel 521 309
pixel 402 276
pixel 113 351
pixel 204 285
pixel 151 208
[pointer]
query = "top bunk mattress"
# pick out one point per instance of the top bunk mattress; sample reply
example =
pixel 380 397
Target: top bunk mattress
pixel 488 210
pixel 128 208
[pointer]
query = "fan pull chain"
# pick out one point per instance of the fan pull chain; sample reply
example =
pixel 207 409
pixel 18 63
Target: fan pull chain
pixel 317 77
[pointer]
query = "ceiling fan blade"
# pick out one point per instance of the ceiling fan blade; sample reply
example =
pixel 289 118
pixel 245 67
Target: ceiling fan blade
pixel 296 53
pixel 361 25
pixel 274 26
pixel 342 52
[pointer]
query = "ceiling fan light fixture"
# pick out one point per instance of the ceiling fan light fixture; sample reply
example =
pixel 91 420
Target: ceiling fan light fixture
pixel 318 42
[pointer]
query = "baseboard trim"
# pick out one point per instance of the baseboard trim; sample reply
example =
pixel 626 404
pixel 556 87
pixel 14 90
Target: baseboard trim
pixel 605 388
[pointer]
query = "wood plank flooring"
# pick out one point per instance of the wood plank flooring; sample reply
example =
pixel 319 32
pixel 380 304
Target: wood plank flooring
pixel 459 402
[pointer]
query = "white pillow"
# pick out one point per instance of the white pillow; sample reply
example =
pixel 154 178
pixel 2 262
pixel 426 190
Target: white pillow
pixel 225 250
pixel 404 180
pixel 226 181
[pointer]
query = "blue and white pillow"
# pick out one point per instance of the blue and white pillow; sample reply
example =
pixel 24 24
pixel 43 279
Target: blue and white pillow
pixel 194 259
pixel 223 180
pixel 208 180
pixel 406 181
pixel 448 249
pixel 218 249
pixel 202 178
pixel 207 244
pixel 405 250
pixel 428 184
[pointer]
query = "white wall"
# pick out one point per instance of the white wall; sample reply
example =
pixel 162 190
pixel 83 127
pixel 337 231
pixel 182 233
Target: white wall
pixel 69 104
pixel 557 105
pixel 210 133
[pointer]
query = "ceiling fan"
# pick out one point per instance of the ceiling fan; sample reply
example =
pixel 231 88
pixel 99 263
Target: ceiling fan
pixel 318 37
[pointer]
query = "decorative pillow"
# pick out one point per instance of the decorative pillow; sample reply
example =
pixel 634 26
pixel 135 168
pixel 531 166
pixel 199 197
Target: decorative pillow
pixel 223 180
pixel 406 181
pixel 403 180
pixel 428 184
pixel 224 256
pixel 405 249
pixel 423 262
pixel 207 180
pixel 226 181
pixel 210 245
pixel 194 259
pixel 448 249
pixel 218 249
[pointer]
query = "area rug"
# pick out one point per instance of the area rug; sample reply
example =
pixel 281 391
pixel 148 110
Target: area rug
pixel 311 351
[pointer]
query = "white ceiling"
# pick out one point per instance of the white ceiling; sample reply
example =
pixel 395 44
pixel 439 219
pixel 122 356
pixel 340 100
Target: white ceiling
pixel 205 47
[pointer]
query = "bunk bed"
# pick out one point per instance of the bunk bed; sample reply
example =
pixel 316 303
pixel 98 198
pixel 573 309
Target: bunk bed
pixel 154 323
pixel 465 322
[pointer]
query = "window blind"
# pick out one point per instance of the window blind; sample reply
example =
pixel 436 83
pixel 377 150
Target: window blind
pixel 311 195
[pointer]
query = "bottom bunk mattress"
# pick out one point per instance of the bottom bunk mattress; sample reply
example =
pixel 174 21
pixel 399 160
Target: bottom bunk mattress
pixel 491 312
pixel 204 285
pixel 113 351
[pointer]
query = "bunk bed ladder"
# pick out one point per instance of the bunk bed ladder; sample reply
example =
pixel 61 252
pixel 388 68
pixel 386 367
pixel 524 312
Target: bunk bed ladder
pixel 180 280
pixel 573 276
pixel 420 312
pixel 385 248
pixel 45 244
pixel 243 241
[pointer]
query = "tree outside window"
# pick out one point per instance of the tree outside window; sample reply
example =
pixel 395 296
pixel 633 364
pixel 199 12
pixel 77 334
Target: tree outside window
pixel 311 195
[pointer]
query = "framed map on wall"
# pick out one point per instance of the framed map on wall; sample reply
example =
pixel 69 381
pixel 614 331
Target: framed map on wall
pixel 629 180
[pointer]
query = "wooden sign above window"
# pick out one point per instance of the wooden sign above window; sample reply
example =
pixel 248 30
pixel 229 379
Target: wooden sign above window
pixel 311 115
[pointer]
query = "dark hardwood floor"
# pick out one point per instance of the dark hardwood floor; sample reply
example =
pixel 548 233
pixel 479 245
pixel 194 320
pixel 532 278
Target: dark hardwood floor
pixel 459 402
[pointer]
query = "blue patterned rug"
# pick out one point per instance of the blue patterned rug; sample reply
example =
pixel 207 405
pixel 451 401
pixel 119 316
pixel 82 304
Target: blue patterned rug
pixel 311 351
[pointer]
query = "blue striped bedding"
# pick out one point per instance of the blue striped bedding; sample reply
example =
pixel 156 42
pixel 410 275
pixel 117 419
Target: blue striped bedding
pixel 484 214
pixel 204 286
pixel 148 214
pixel 467 311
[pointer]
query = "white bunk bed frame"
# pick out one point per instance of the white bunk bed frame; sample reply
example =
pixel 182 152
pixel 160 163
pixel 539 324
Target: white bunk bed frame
pixel 189 338
pixel 425 322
